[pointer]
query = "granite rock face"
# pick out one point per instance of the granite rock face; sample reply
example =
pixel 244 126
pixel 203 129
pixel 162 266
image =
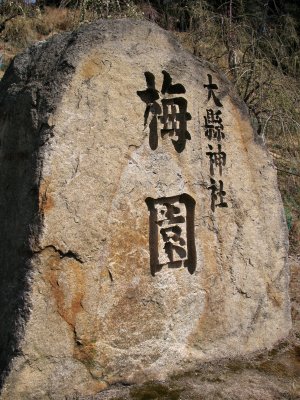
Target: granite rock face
pixel 143 231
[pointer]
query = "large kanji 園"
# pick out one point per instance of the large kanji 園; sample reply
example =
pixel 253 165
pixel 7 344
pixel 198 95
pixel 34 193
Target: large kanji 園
pixel 171 232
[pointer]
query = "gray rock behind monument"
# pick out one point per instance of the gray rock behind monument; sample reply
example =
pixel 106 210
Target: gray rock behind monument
pixel 81 307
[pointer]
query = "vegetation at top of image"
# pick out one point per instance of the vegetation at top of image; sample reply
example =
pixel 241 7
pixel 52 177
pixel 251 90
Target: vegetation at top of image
pixel 256 44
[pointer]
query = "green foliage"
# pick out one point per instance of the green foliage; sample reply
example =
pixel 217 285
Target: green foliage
pixel 289 217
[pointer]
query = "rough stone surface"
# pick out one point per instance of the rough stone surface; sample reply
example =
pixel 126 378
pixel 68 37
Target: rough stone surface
pixel 81 308
pixel 274 376
pixel 294 264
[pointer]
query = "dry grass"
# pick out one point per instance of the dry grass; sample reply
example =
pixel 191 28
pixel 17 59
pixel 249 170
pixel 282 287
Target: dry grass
pixel 22 31
pixel 58 20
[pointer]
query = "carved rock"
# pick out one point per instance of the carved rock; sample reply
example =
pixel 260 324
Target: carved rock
pixel 142 231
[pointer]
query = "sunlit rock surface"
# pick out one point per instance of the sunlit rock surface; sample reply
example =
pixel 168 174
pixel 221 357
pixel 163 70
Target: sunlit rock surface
pixel 142 231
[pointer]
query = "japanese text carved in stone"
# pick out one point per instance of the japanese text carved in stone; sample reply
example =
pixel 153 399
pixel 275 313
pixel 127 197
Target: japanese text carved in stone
pixel 171 232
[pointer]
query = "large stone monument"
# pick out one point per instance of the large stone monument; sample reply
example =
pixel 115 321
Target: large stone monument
pixel 142 231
